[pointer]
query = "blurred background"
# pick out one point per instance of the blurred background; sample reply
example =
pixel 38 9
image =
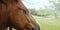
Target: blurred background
pixel 46 12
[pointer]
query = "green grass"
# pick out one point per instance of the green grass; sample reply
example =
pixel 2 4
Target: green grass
pixel 48 23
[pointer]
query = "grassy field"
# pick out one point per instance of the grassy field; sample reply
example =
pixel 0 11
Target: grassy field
pixel 48 23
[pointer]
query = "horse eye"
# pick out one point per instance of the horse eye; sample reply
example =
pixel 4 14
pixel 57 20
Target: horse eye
pixel 16 0
pixel 1 1
pixel 26 12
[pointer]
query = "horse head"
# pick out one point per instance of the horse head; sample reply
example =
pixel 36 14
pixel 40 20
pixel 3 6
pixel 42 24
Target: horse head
pixel 18 15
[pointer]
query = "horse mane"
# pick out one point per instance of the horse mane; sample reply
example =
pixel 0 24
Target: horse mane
pixel 4 1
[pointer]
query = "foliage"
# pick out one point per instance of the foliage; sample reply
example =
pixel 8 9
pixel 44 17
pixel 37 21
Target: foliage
pixel 56 6
pixel 41 12
pixel 44 12
pixel 33 11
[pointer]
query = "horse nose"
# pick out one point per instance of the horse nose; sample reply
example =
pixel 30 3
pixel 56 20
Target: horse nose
pixel 36 27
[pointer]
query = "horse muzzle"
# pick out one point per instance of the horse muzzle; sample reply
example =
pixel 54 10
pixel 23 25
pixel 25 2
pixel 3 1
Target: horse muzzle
pixel 36 27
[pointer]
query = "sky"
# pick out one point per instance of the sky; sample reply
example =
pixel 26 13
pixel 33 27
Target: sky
pixel 35 3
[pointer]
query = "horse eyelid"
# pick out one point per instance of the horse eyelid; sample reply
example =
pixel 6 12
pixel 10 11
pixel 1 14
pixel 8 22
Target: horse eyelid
pixel 16 0
pixel 1 1
pixel 26 12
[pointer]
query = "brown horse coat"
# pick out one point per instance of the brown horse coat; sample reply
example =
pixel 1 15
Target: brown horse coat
pixel 14 13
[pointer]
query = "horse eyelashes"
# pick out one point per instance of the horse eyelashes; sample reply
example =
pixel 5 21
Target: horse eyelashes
pixel 2 2
pixel 16 1
pixel 26 12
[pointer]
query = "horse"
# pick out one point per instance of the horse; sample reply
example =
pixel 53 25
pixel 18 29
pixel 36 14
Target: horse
pixel 13 13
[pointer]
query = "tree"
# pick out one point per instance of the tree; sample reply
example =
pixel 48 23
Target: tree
pixel 56 7
pixel 33 11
